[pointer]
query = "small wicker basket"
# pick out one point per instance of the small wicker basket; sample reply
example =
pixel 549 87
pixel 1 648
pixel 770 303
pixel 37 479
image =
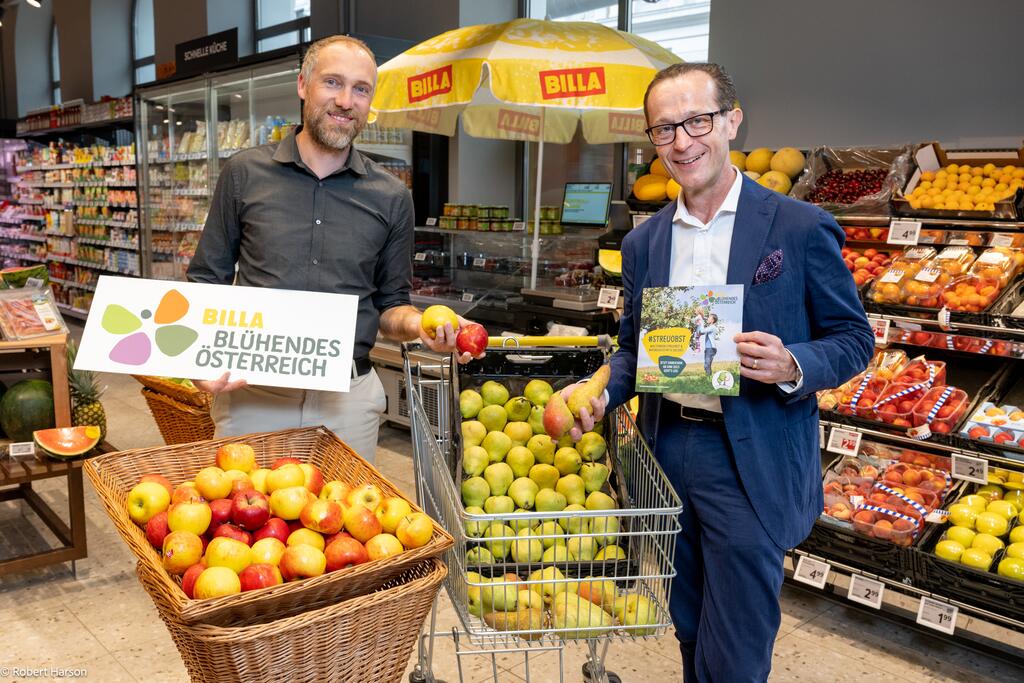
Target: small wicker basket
pixel 178 422
pixel 115 474
pixel 179 392
pixel 366 638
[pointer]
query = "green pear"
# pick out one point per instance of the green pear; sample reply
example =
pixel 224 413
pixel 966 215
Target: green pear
pixel 574 524
pixel 542 447
pixel 501 593
pixel 475 529
pixel 611 552
pixel 494 393
pixel 479 555
pixel 529 598
pixel 598 500
pixel 581 548
pixel 518 409
pixel 546 476
pixel 565 441
pixel 574 617
pixel 635 611
pixel 475 491
pixel 497 444
pixel 473 432
pixel 557 554
pixel 528 623
pixel 524 492
pixel 519 432
pixel 520 459
pixel 538 392
pixel 520 524
pixel 476 606
pixel 527 548
pixel 499 476
pixel 474 460
pixel 591 446
pixel 571 486
pixel 499 505
pixel 552 583
pixel 536 420
pixel 470 403
pixel 550 533
pixel 594 475
pixel 598 428
pixel 493 418
pixel 605 528
pixel 568 461
pixel 498 539
pixel 549 500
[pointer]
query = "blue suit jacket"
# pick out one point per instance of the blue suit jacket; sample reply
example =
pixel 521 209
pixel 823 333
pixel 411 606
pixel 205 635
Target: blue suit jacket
pixel 812 306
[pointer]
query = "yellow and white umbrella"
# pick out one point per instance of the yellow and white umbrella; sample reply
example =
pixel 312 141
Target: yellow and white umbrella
pixel 525 79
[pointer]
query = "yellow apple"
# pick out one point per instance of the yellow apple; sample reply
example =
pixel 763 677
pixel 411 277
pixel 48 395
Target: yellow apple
pixel 227 552
pixel 212 483
pixel 194 517
pixel 240 481
pixel 367 495
pixel 302 561
pixel 323 516
pixel 383 545
pixel 267 551
pixel 147 500
pixel 306 537
pixel 415 530
pixel 287 503
pixel 337 491
pixel 181 550
pixel 312 478
pixel 216 582
pixel 186 493
pixel 259 480
pixel 285 476
pixel 391 512
pixel 236 456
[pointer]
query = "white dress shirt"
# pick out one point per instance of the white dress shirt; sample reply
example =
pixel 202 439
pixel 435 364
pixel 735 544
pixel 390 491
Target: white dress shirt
pixel 700 256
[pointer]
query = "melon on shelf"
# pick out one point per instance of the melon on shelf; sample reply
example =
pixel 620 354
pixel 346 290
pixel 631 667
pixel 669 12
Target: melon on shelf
pixel 67 442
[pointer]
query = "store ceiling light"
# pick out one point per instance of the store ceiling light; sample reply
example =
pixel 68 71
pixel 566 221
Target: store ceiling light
pixel 167 120
pixel 34 3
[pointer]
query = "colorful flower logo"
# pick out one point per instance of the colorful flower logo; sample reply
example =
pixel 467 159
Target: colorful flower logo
pixel 136 348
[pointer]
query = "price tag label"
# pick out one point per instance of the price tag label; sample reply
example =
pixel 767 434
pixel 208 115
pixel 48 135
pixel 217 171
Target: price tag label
pixel 844 441
pixel 821 434
pixel 22 449
pixel 969 468
pixel 812 572
pixel 957 242
pixel 432 221
pixel 519 226
pixel 928 275
pixel 467 297
pixel 880 326
pixel 904 232
pixel 891 275
pixel 479 262
pixel 1000 240
pixel 866 591
pixel 937 615
pixel 608 297
pixel 420 256
pixel 992 258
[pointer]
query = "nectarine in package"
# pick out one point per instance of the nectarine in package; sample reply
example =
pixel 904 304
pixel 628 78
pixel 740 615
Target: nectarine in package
pixel 941 409
pixel 902 474
pixel 970 293
pixel 858 395
pixel 953 260
pixel 885 524
pixel 998 264
pixel 914 258
pixel 921 370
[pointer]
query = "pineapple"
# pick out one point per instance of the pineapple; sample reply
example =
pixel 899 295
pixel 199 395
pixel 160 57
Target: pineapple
pixel 86 408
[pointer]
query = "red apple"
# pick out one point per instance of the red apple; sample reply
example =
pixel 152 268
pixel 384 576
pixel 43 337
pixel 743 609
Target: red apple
pixel 157 529
pixel 334 537
pixel 284 461
pixel 274 528
pixel 324 516
pixel 181 550
pixel 187 493
pixel 344 552
pixel 188 580
pixel 159 479
pixel 236 456
pixel 232 531
pixel 471 339
pixel 259 576
pixel 361 523
pixel 302 561
pixel 250 509
pixel 220 510
pixel 314 481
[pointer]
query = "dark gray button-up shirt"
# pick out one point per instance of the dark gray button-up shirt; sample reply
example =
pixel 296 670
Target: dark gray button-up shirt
pixel 349 233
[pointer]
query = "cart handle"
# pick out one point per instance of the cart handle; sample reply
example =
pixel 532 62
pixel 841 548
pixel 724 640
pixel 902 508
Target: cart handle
pixel 601 340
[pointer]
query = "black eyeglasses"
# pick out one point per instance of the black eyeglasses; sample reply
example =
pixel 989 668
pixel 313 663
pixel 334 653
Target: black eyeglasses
pixel 695 126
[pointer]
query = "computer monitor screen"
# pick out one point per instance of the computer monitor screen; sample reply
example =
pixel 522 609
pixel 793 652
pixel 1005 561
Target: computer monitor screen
pixel 586 203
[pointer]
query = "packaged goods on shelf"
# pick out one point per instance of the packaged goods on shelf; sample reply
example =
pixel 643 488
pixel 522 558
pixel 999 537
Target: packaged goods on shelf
pixel 29 312
pixel 864 265
pixel 853 181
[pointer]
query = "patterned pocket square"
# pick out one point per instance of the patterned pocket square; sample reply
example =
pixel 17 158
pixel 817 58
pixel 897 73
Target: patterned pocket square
pixel 769 269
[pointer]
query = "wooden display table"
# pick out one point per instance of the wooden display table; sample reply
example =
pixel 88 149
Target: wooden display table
pixel 43 358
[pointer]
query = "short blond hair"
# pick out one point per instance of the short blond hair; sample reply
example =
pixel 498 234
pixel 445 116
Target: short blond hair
pixel 313 53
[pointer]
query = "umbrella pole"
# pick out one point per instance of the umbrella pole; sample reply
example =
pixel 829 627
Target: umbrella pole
pixel 536 206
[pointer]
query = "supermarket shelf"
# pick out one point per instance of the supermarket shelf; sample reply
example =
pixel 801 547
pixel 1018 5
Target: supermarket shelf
pixel 61 167
pixel 79 313
pixel 402 152
pixel 113 224
pixel 992 632
pixel 26 236
pixel 23 257
pixel 455 303
pixel 47 185
pixel 71 283
pixel 90 264
pixel 179 227
pixel 106 184
pixel 190 192
pixel 517 235
pixel 884 221
pixel 108 243
pixel 77 126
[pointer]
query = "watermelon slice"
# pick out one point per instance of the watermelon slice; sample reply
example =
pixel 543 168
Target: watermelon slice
pixel 67 442
pixel 15 278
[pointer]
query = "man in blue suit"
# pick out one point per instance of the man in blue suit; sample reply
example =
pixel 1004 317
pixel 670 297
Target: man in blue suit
pixel 747 468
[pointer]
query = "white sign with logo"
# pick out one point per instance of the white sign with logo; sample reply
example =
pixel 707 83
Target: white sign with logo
pixel 271 337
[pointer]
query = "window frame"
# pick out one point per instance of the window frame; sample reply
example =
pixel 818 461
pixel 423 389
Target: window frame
pixel 55 94
pixel 139 62
pixel 301 25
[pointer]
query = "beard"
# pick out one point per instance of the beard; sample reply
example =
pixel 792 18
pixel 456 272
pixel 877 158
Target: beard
pixel 328 136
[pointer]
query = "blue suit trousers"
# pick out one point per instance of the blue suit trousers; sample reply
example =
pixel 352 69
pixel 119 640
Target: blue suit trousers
pixel 725 596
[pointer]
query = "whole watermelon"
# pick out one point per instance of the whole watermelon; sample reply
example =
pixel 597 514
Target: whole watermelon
pixel 26 407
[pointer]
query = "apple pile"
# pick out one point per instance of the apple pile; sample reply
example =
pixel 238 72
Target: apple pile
pixel 548 602
pixel 512 464
pixel 237 527
pixel 864 265
pixel 981 524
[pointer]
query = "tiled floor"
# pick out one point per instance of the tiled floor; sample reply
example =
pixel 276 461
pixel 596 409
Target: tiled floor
pixel 103 622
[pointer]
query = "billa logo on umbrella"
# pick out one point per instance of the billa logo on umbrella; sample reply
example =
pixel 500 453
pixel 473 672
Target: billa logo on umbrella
pixel 518 122
pixel 426 85
pixel 626 124
pixel 572 82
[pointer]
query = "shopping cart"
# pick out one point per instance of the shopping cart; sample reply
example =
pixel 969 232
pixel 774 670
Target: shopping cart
pixel 632 582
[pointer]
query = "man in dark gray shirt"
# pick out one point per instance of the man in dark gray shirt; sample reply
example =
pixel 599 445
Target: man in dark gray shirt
pixel 313 214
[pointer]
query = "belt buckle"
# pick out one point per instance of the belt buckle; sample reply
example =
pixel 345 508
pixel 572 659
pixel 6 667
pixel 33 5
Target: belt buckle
pixel 683 415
